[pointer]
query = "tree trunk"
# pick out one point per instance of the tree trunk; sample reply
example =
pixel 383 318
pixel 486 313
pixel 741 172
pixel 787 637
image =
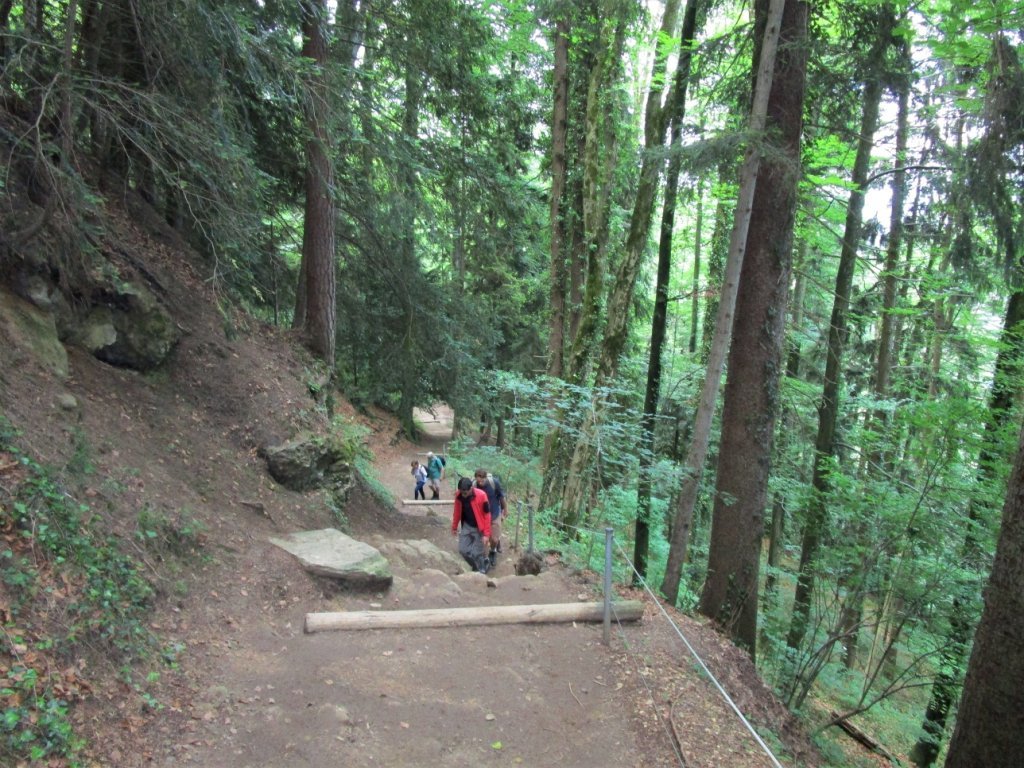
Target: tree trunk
pixel 577 488
pixel 694 467
pixel 652 392
pixel 986 729
pixel 828 410
pixel 750 405
pixel 853 610
pixel 408 210
pixel 1005 391
pixel 559 170
pixel 318 227
pixel 778 526
pixel 474 616
pixel 695 299
pixel 596 156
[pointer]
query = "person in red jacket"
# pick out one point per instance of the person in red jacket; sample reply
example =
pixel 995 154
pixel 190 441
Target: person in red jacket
pixel 473 514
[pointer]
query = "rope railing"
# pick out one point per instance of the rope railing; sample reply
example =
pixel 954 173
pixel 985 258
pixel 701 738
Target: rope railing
pixel 639 579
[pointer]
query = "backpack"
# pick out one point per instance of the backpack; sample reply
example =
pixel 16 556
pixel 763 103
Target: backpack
pixel 443 462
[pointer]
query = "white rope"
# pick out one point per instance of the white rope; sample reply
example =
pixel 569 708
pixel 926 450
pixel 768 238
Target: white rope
pixel 700 661
pixel 666 723
pixel 689 647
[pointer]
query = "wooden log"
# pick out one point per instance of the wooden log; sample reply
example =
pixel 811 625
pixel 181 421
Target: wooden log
pixel 863 738
pixel 626 610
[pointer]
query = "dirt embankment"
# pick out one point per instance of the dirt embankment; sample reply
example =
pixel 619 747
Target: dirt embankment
pixel 181 446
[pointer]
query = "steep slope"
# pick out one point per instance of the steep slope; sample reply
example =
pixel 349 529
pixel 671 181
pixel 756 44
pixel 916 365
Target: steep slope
pixel 169 461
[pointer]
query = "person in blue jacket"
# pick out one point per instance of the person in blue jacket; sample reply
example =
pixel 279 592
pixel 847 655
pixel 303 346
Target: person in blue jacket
pixel 435 474
pixel 490 485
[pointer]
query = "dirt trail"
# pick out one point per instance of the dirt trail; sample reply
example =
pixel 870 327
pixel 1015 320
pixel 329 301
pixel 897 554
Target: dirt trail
pixel 531 695
pixel 182 448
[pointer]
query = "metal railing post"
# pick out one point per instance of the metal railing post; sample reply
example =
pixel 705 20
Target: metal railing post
pixel 607 637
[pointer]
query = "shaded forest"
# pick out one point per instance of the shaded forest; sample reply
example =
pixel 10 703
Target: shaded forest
pixel 742 282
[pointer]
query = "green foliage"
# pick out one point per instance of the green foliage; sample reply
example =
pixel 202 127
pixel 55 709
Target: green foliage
pixel 35 724
pixel 177 533
pixel 70 586
pixel 377 488
pixel 349 439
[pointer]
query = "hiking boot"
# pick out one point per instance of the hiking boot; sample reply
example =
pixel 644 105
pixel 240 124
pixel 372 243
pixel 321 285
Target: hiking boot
pixel 493 558
pixel 485 566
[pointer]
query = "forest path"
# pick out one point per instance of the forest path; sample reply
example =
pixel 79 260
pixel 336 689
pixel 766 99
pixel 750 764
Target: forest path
pixel 523 695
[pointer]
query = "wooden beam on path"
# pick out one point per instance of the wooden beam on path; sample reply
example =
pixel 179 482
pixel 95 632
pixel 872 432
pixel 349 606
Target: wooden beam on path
pixel 421 502
pixel 626 610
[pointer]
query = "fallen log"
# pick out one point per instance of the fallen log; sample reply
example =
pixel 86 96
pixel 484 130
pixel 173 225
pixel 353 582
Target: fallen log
pixel 863 738
pixel 626 610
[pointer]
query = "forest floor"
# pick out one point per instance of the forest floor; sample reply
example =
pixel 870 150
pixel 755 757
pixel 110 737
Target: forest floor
pixel 180 450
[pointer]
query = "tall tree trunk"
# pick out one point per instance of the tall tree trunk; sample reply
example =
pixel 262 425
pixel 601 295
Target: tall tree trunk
pixel 652 392
pixel 698 227
pixel 853 608
pixel 828 410
pixel 578 486
pixel 716 261
pixel 778 524
pixel 750 404
pixel 318 288
pixel 694 466
pixel 597 153
pixel 987 729
pixel 1006 388
pixel 559 171
pixel 408 210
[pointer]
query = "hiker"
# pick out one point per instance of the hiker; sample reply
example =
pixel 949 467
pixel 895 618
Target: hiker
pixel 420 476
pixel 471 512
pixel 498 504
pixel 435 473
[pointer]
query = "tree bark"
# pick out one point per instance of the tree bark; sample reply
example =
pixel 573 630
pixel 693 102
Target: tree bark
pixel 694 466
pixel 318 266
pixel 993 697
pixel 751 404
pixel 559 170
pixel 652 391
pixel 577 488
pixel 596 155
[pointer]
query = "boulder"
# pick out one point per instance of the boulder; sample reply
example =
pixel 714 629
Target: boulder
pixel 308 462
pixel 33 332
pixel 418 554
pixel 127 327
pixel 329 552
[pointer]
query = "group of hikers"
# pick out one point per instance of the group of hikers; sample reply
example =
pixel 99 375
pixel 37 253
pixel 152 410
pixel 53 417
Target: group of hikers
pixel 479 507
pixel 431 475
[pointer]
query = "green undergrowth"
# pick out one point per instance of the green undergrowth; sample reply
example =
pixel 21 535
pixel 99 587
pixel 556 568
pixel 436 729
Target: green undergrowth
pixel 68 593
pixel 349 437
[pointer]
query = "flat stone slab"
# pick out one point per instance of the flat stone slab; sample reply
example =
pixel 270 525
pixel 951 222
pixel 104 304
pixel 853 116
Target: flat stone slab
pixel 329 552
pixel 416 554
